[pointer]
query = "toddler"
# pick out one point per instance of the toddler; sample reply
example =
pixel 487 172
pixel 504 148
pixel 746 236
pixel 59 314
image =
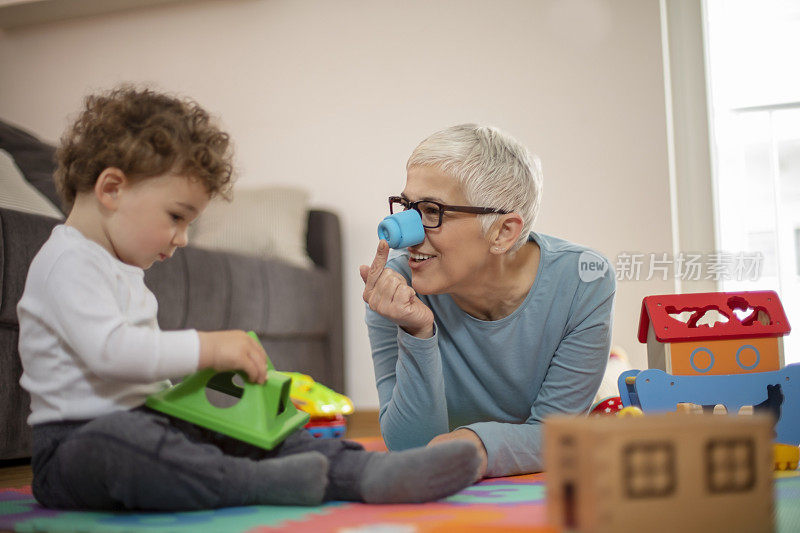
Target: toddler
pixel 135 169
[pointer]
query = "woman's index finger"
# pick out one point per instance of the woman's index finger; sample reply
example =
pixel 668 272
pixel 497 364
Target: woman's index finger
pixel 378 264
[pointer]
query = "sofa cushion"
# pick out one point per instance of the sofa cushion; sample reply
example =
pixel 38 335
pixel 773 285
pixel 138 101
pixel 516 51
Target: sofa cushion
pixel 16 193
pixel 34 158
pixel 210 290
pixel 266 222
pixel 21 236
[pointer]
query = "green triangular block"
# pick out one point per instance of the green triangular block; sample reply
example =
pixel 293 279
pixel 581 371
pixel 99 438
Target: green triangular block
pixel 264 415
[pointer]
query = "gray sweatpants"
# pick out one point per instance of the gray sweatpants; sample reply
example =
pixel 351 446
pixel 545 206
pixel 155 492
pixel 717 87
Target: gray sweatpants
pixel 142 459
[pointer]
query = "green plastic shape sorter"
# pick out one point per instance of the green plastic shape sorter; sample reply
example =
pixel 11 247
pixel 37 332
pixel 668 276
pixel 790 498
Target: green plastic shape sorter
pixel 264 415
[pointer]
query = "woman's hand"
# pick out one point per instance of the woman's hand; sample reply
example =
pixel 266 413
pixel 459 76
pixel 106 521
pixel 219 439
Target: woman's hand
pixel 233 350
pixel 388 294
pixel 468 435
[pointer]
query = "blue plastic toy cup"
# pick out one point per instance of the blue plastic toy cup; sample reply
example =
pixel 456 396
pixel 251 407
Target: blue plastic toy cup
pixel 402 229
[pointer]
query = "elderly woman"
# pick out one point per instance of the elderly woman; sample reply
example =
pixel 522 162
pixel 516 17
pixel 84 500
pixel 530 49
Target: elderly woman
pixel 486 327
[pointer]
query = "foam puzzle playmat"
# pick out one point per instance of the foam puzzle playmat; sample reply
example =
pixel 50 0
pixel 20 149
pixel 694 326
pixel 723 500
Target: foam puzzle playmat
pixel 501 504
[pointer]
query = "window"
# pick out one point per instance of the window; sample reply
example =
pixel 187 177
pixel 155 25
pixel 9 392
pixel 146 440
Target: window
pixel 797 248
pixel 649 469
pixel 753 49
pixel 730 466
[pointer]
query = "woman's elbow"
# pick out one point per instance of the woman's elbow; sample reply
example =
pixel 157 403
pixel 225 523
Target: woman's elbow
pixel 399 438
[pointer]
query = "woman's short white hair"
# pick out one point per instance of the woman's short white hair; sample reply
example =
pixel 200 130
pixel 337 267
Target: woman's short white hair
pixel 494 170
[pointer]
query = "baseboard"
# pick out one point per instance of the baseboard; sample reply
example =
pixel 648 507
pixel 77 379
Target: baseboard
pixel 363 423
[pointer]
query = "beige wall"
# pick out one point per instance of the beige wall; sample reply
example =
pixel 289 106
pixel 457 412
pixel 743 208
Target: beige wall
pixel 335 95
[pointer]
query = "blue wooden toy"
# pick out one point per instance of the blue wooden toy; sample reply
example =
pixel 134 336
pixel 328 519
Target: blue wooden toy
pixel 655 391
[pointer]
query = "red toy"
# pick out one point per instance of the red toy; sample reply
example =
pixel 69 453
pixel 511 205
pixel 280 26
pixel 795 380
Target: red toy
pixel 606 407
pixel 327 427
pixel 715 333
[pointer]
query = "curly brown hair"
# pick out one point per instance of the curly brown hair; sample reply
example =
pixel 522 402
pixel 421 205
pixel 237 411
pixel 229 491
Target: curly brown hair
pixel 143 133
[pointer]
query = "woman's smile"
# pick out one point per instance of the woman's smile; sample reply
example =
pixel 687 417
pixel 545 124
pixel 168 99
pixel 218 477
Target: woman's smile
pixel 417 260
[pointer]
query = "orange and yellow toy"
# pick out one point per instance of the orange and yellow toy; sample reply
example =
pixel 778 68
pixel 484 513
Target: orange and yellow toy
pixel 325 406
pixel 715 333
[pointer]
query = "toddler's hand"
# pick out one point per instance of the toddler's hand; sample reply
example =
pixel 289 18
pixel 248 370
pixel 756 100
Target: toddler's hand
pixel 233 350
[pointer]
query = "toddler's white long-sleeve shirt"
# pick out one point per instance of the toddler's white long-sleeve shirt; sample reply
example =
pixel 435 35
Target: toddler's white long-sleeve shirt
pixel 89 339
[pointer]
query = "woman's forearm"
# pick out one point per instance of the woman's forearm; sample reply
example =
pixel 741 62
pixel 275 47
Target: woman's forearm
pixel 408 373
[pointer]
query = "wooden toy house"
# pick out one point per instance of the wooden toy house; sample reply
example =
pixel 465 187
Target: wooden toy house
pixel 714 333
pixel 660 473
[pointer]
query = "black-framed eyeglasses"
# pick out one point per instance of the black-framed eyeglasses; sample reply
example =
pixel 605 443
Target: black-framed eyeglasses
pixel 431 212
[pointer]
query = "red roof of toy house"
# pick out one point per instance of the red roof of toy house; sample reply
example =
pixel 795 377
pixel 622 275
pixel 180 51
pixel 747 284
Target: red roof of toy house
pixel 657 309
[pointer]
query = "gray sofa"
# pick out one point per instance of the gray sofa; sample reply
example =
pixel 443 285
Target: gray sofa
pixel 296 312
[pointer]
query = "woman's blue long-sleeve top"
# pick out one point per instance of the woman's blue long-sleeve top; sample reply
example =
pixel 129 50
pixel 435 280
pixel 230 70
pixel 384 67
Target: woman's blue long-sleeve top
pixel 499 378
